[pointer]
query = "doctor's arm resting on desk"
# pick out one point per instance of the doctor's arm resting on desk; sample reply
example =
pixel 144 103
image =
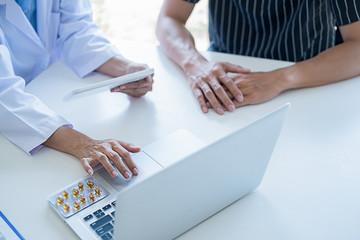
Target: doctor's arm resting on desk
pixel 24 53
pixel 90 151
pixel 213 88
pixel 28 123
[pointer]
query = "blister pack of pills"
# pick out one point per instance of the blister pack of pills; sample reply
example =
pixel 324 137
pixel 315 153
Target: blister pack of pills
pixel 77 196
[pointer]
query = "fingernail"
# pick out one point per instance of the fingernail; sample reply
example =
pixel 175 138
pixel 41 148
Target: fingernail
pixel 133 146
pixel 204 109
pixel 122 87
pixel 135 171
pixel 127 175
pixel 240 98
pixel 220 110
pixel 115 173
pixel 90 172
pixel 231 108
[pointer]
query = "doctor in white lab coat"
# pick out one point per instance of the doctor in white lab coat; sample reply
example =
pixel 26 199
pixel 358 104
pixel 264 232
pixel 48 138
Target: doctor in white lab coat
pixel 60 29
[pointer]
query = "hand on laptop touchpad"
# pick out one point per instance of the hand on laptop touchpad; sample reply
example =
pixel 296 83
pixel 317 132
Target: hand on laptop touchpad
pixel 144 163
pixel 118 183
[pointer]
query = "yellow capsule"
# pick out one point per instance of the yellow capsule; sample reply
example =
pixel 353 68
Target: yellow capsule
pixel 65 194
pixel 81 186
pixel 97 191
pixel 59 200
pixel 76 205
pixel 92 197
pixel 75 192
pixel 82 199
pixel 90 184
pixel 66 207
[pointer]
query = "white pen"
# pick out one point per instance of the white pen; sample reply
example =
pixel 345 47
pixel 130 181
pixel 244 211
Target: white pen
pixel 108 84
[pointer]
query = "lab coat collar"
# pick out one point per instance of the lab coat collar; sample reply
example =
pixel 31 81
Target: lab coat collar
pixel 16 17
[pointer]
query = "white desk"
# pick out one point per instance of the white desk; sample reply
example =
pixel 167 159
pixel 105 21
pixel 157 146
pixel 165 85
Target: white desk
pixel 311 189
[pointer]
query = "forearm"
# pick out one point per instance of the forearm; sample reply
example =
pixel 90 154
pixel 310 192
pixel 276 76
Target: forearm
pixel 177 43
pixel 335 64
pixel 66 139
pixel 204 77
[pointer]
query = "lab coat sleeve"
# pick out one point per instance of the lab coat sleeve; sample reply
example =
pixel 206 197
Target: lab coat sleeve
pixel 24 119
pixel 81 42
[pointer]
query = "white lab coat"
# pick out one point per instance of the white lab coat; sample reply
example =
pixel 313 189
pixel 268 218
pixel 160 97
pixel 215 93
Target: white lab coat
pixel 64 29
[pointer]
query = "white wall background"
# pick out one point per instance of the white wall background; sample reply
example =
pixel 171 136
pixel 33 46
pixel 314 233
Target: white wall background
pixel 135 20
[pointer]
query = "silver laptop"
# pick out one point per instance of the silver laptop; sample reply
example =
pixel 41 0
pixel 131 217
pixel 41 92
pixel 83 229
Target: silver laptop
pixel 181 183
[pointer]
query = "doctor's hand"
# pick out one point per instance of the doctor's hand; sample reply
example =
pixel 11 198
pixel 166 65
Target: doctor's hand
pixel 92 152
pixel 208 80
pixel 119 66
pixel 138 88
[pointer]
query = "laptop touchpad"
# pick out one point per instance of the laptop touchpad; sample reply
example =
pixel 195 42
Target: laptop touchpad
pixel 146 165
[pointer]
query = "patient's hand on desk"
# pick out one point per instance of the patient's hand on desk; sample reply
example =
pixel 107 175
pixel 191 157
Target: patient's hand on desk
pixel 258 87
pixel 92 152
pixel 208 81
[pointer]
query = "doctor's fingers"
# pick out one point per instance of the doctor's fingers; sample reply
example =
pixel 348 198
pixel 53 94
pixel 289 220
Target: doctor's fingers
pixel 135 67
pixel 150 79
pixel 85 162
pixel 141 84
pixel 136 93
pixel 114 156
pixel 94 159
pixel 125 155
pixel 104 160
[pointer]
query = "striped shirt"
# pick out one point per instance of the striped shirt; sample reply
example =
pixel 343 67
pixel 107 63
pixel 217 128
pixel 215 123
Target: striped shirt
pixel 290 30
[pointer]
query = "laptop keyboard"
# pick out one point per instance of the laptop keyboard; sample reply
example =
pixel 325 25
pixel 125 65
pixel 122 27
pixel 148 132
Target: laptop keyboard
pixel 104 221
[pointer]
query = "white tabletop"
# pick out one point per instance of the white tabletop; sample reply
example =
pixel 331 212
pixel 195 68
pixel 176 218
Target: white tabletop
pixel 310 189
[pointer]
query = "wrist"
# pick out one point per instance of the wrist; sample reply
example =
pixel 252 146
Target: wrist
pixel 116 66
pixel 191 62
pixel 288 77
pixel 68 140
